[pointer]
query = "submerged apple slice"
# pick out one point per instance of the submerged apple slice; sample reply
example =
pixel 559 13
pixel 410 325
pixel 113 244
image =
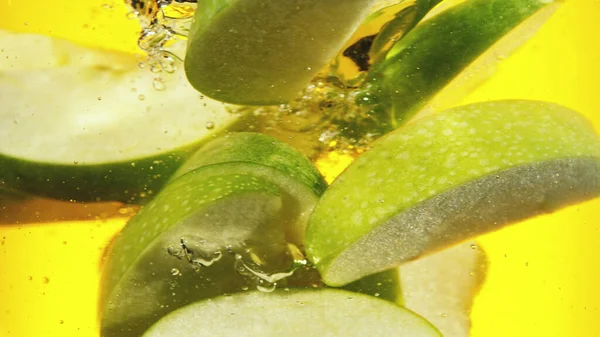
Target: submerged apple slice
pixel 297 313
pixel 219 227
pixel 440 48
pixel 441 287
pixel 89 125
pixel 449 177
pixel 265 52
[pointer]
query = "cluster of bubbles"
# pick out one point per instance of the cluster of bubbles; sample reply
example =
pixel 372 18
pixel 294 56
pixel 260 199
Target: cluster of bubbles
pixel 165 26
pixel 252 263
pixel 326 116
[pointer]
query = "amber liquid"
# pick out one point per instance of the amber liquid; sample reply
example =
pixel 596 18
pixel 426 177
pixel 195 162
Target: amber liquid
pixel 542 279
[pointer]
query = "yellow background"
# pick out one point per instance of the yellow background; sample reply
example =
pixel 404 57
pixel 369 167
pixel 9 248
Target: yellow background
pixel 543 273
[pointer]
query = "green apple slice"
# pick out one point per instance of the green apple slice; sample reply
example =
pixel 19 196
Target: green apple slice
pixel 176 250
pixel 95 128
pixel 449 177
pixel 442 47
pixel 225 223
pixel 300 313
pixel 220 225
pixel 441 287
pixel 260 52
pixel 271 160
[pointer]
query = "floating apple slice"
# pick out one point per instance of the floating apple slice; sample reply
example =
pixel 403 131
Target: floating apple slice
pixel 90 125
pixel 296 313
pixel 447 178
pixel 265 52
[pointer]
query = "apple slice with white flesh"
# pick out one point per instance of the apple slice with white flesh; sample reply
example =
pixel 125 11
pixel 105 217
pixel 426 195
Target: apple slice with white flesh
pixel 89 125
pixel 259 52
pixel 294 313
pixel 441 287
pixel 449 177
pixel 232 219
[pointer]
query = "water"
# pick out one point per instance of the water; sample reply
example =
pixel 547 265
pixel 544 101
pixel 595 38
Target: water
pixel 560 257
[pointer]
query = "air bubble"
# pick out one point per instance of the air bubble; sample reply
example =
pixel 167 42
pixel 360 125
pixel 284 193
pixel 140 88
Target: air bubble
pixel 265 286
pixel 158 83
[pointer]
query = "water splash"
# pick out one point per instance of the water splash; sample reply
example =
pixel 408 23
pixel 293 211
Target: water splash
pixel 165 27
pixel 326 116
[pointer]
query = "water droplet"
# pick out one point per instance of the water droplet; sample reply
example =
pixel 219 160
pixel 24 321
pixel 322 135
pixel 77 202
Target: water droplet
pixel 209 125
pixel 175 272
pixel 141 97
pixel 156 68
pixel 158 83
pixel 168 64
pixel 473 246
pixel 377 294
pixel 444 315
